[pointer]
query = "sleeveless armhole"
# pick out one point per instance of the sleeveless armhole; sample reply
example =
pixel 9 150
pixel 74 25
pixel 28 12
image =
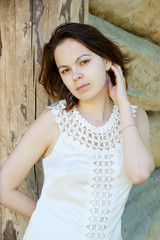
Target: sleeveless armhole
pixel 55 109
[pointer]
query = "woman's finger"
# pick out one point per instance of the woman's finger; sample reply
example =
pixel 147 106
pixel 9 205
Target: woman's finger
pixel 119 68
pixel 118 73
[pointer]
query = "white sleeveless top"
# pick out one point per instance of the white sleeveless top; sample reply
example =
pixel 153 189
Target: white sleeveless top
pixel 85 187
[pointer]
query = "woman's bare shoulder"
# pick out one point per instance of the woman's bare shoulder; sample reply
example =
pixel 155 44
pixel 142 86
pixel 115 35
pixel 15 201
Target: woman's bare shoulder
pixel 50 128
pixel 46 122
pixel 47 116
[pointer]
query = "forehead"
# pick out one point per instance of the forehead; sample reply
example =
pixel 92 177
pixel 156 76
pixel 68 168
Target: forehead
pixel 68 49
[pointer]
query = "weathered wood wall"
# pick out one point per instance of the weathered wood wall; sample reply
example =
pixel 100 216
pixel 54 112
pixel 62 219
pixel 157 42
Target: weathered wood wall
pixel 24 27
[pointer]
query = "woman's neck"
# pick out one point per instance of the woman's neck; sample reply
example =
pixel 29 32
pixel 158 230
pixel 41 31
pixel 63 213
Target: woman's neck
pixel 96 112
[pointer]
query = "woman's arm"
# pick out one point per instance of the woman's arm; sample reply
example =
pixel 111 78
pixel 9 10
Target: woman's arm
pixel 40 135
pixel 138 160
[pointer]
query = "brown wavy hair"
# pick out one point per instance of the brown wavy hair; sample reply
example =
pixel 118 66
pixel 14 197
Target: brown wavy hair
pixel 91 38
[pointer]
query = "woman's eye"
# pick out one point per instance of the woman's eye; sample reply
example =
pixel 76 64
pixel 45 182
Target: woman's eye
pixel 84 62
pixel 64 71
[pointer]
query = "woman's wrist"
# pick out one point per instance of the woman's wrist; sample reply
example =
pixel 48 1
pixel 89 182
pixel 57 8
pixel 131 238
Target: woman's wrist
pixel 126 116
pixel 125 104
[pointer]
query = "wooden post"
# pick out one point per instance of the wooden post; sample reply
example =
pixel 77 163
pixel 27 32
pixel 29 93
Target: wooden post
pixel 24 28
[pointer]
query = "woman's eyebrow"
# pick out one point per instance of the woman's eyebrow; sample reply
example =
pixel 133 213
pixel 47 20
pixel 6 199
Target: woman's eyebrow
pixel 76 60
pixel 82 56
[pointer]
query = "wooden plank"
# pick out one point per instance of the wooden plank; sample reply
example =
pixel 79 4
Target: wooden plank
pixel 24 28
pixel 17 96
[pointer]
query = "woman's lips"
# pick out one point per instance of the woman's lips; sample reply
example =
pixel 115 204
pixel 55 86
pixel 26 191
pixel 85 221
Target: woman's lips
pixel 82 87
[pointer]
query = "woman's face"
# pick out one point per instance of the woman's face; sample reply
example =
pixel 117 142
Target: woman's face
pixel 82 71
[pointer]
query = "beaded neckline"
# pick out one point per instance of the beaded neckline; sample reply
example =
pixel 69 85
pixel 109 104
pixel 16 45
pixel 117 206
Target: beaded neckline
pixel 79 132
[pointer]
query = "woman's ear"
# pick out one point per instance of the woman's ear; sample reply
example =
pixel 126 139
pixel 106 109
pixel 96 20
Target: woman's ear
pixel 108 64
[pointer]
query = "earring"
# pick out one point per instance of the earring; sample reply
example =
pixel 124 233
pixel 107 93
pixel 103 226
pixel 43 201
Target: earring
pixel 108 80
pixel 70 95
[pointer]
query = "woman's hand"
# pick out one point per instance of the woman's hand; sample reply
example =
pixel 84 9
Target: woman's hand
pixel 118 92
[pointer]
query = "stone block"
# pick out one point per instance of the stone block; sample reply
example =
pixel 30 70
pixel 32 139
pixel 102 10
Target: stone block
pixel 154 120
pixel 140 220
pixel 139 17
pixel 144 77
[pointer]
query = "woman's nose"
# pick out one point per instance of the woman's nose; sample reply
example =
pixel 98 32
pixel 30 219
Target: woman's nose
pixel 77 76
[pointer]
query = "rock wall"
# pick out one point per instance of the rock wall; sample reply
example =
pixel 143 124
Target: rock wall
pixel 139 17
pixel 141 218
pixel 144 77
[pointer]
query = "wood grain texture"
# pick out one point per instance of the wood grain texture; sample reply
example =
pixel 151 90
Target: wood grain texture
pixel 24 28
pixel 16 96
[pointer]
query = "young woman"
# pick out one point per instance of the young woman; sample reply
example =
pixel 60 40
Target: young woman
pixel 94 143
